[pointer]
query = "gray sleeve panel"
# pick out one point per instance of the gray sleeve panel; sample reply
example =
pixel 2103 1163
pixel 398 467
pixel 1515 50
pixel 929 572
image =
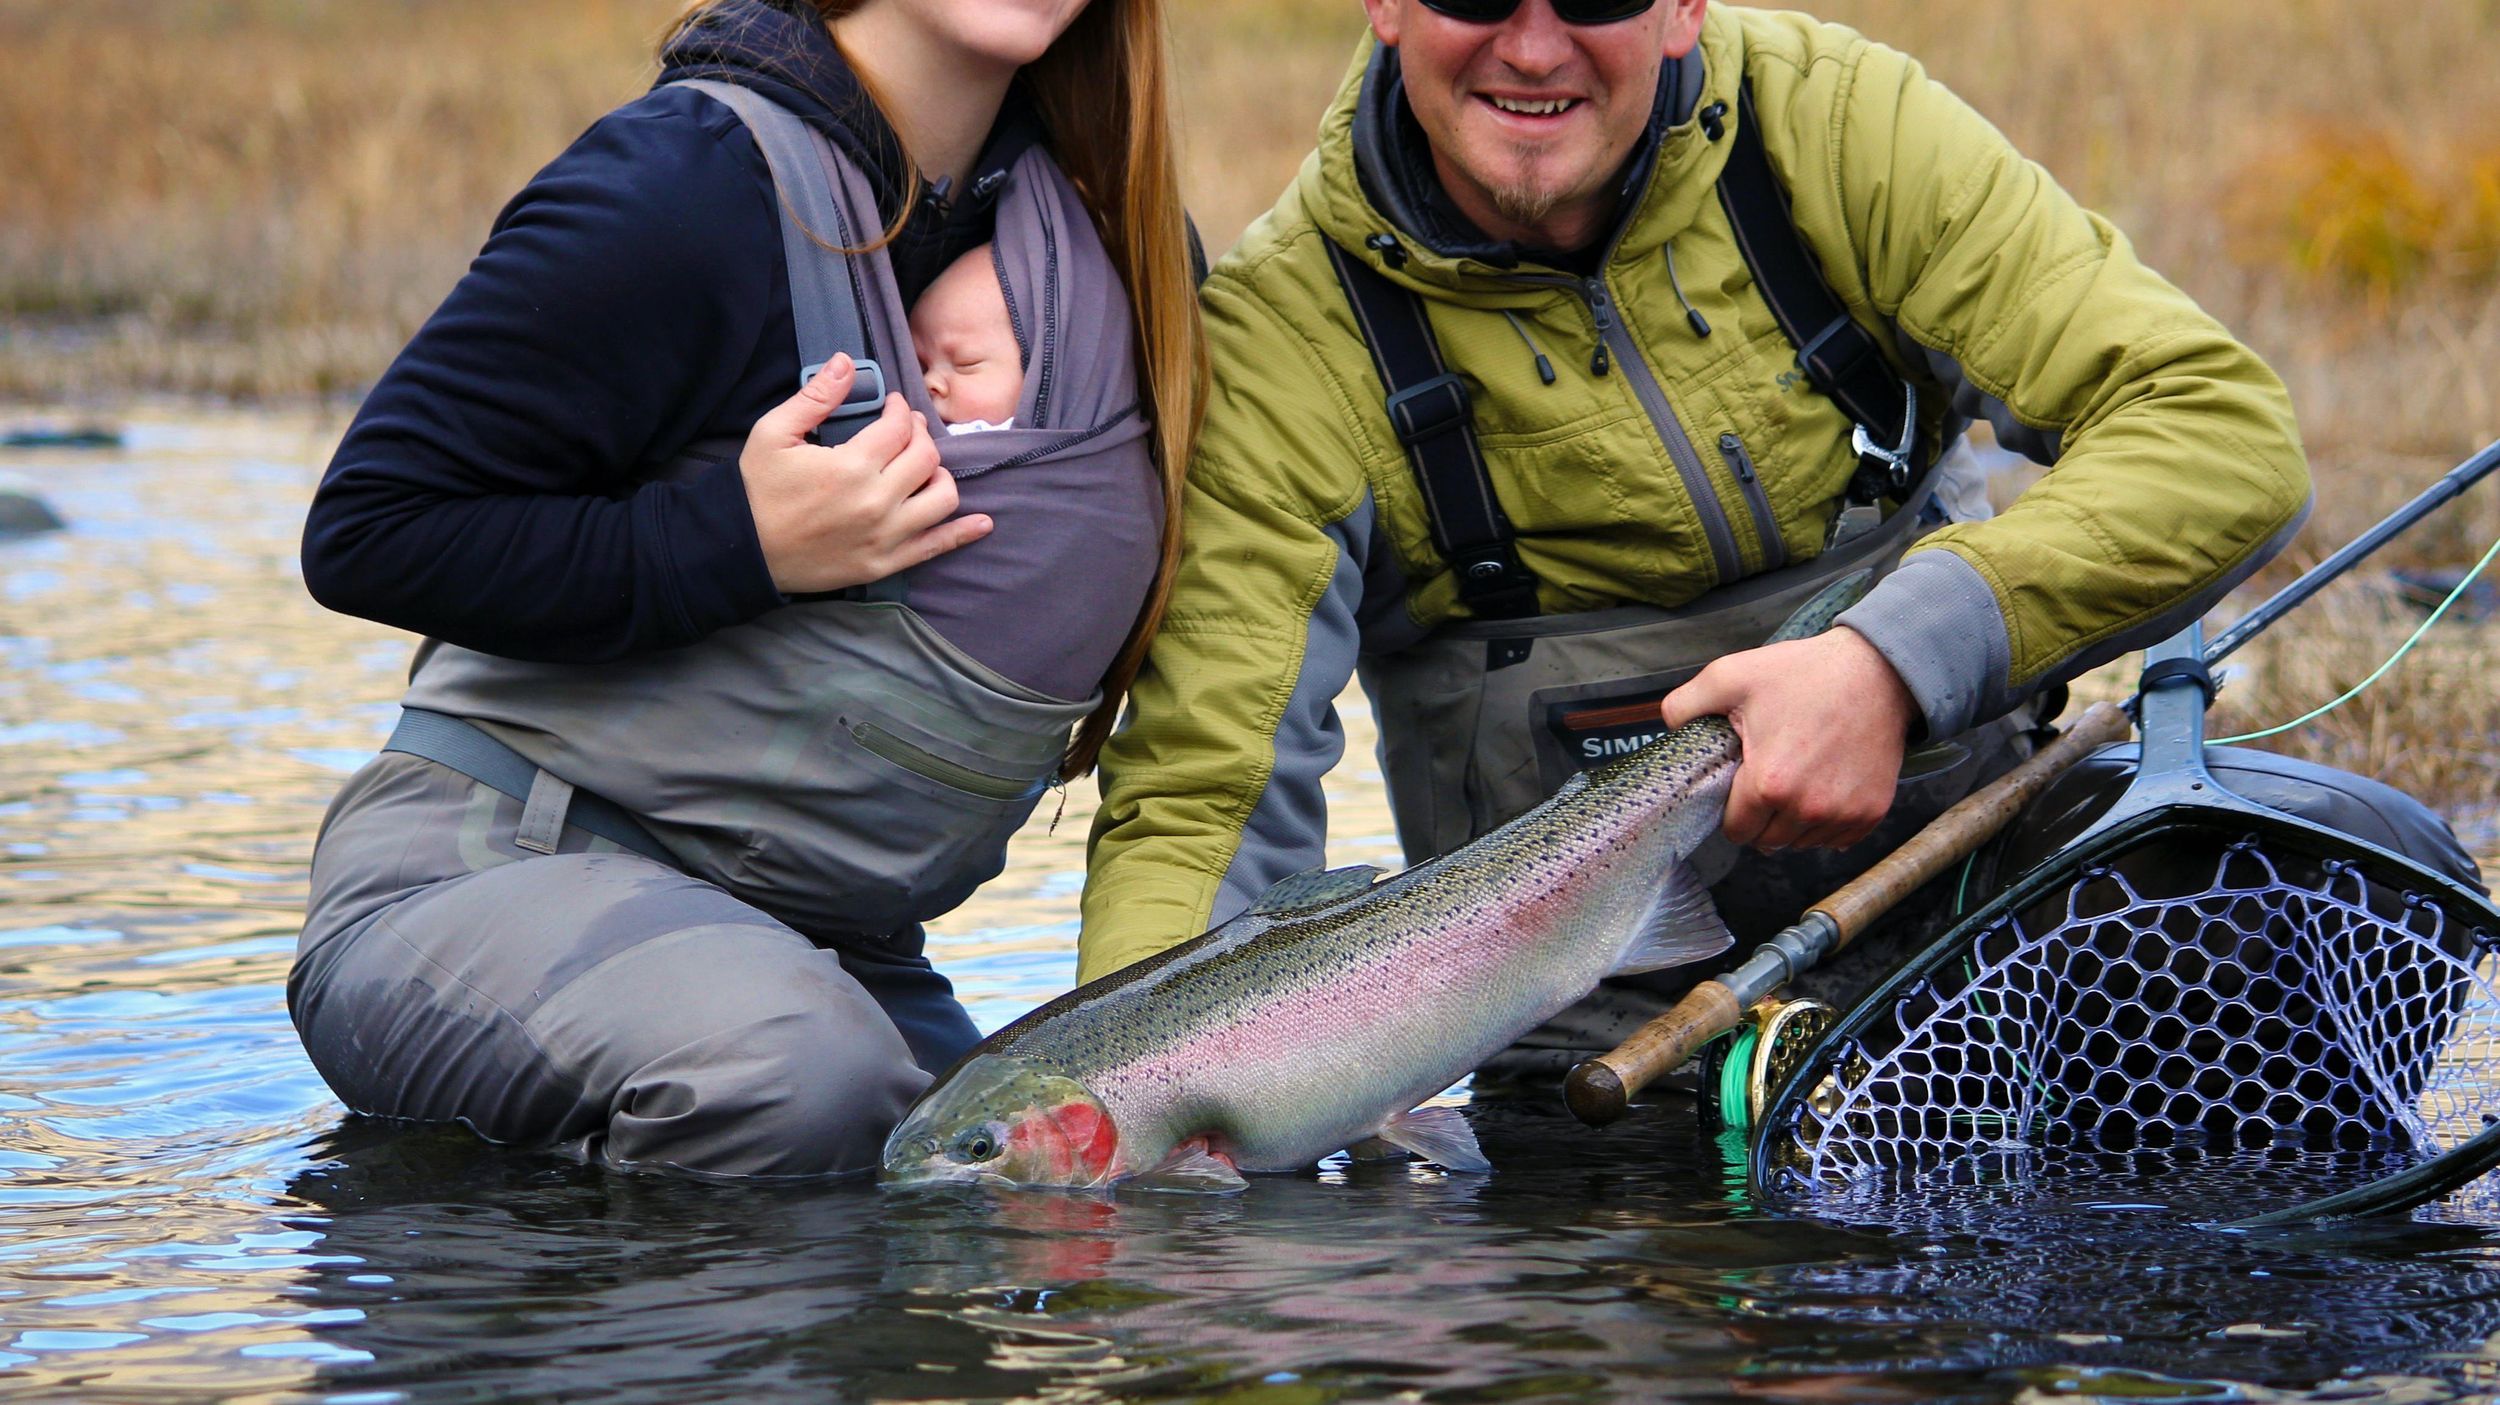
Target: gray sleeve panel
pixel 1937 623
pixel 2041 446
pixel 1287 832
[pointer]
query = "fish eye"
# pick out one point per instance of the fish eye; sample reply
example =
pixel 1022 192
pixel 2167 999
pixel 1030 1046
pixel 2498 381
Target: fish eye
pixel 976 1146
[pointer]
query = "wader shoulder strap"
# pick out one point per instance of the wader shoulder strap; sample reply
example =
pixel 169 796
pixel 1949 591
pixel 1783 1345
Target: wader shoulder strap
pixel 1430 410
pixel 1840 358
pixel 825 295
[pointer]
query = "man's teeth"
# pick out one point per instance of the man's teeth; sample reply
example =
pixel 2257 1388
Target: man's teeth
pixel 1546 108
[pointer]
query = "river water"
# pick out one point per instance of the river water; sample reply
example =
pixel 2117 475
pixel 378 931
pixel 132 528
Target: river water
pixel 186 1213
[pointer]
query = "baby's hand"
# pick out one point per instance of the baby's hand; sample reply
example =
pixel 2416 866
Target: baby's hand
pixel 856 512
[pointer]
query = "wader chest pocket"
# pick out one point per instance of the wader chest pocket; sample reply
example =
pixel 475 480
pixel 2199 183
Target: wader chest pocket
pixel 927 765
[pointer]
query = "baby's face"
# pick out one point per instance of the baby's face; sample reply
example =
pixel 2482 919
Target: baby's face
pixel 966 344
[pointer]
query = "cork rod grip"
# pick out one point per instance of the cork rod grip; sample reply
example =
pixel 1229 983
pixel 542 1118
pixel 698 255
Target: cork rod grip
pixel 1598 1091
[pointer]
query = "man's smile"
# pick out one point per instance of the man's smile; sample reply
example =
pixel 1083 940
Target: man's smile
pixel 1536 113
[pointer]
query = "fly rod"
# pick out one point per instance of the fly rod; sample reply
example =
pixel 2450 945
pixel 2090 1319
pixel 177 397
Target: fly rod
pixel 2394 525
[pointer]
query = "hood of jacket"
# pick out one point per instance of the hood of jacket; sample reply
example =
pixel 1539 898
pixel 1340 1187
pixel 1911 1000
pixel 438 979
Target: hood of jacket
pixel 1374 174
pixel 781 49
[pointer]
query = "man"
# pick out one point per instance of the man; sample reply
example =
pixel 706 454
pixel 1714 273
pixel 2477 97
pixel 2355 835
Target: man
pixel 1634 465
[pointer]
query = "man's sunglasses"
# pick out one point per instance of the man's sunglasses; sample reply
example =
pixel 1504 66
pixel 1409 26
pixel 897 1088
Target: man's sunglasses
pixel 1568 11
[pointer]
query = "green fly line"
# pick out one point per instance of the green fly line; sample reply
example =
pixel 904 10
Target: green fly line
pixel 1735 1099
pixel 2381 671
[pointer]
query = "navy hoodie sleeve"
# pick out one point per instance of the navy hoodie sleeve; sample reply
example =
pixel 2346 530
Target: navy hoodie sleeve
pixel 488 491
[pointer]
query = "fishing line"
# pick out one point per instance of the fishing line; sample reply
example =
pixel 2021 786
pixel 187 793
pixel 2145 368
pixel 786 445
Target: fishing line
pixel 2381 671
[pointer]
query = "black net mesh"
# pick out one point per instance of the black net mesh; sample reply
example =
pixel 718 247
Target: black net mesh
pixel 2202 993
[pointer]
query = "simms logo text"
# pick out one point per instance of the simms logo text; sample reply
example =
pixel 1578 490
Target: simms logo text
pixel 1605 748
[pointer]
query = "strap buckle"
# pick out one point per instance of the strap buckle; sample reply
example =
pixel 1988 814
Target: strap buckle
pixel 1494 584
pixel 867 393
pixel 1429 409
pixel 1896 459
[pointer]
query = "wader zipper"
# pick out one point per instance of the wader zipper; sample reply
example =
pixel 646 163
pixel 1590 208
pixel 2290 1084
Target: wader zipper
pixel 1758 502
pixel 937 768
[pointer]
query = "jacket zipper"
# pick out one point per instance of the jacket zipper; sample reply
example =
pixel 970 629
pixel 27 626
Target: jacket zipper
pixel 1613 336
pixel 1765 525
pixel 885 744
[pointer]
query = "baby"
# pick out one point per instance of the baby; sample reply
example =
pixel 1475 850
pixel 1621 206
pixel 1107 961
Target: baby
pixel 966 342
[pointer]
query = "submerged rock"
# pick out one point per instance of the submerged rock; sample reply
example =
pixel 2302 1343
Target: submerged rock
pixel 23 512
pixel 83 437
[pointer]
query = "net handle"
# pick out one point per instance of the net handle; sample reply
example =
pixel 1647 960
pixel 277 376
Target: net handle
pixel 1599 1090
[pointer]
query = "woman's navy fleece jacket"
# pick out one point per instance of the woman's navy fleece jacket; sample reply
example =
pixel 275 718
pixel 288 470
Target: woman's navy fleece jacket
pixel 630 302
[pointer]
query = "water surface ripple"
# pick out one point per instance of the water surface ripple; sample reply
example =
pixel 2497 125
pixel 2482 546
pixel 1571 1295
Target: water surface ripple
pixel 185 1213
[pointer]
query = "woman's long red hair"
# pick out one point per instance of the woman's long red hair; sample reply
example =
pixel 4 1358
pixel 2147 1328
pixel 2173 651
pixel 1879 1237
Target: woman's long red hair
pixel 1104 95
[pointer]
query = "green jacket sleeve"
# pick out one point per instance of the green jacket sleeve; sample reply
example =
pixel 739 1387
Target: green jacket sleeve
pixel 1214 785
pixel 2177 467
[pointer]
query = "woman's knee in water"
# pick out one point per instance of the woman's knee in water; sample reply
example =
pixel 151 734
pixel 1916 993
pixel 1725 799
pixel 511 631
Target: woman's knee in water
pixel 792 1093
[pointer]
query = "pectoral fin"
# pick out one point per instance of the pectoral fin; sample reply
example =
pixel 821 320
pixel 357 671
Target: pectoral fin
pixel 1193 1170
pixel 1681 926
pixel 1439 1135
pixel 1317 888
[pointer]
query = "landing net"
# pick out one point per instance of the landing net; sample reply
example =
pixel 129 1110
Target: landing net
pixel 2199 996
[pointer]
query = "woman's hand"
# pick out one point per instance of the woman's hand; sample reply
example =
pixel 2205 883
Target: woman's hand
pixel 854 513
pixel 1824 721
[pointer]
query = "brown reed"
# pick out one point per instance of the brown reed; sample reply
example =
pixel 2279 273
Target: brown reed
pixel 262 198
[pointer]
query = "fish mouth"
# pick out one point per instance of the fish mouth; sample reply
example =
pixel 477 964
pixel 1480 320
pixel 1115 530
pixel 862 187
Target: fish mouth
pixel 915 1155
pixel 1004 1121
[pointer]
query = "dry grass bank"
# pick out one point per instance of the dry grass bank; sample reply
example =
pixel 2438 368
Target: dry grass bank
pixel 258 197
pixel 263 197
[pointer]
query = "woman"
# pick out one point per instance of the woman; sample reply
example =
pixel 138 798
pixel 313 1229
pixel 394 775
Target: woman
pixel 725 689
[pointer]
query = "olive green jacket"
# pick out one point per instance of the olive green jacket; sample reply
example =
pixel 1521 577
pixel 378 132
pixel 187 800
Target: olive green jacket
pixel 2177 467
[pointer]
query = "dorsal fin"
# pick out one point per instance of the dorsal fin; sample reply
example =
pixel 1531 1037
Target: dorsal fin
pixel 1317 887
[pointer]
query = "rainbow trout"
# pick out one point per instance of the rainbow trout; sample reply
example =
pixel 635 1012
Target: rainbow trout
pixel 1318 1020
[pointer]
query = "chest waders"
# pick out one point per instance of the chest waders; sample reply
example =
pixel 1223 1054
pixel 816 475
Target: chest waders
pixel 840 762
pixel 1485 718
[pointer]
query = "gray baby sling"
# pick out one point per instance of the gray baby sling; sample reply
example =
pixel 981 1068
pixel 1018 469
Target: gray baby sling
pixel 838 762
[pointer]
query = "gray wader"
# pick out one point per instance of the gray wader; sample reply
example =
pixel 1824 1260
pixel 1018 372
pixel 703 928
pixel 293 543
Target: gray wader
pixel 1483 720
pixel 665 911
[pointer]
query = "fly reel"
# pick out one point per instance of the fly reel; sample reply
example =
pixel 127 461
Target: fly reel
pixel 1740 1073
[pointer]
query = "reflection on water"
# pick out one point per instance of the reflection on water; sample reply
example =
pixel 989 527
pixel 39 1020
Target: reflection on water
pixel 185 1213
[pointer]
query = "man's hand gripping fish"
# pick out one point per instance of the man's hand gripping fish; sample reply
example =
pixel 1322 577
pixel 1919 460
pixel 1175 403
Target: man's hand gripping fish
pixel 1320 1018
